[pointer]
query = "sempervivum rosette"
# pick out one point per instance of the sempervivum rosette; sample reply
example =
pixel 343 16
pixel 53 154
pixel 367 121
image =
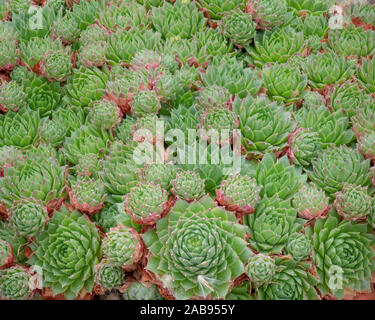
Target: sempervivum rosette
pixel 366 74
pixel 108 276
pixel 299 246
pixel 239 193
pixel 122 247
pixel 364 120
pixel 292 281
pixel 12 96
pixel 238 26
pixel 8 156
pixel 28 216
pixel 56 65
pixel 267 13
pixel 213 96
pixel 197 250
pixel 311 202
pixel 105 114
pixel 342 255
pixel 366 145
pixel 278 177
pixel 85 85
pixel 38 177
pixel 188 186
pixel 145 102
pixel 159 173
pixel 304 146
pixel 85 140
pixel 67 252
pixel 16 283
pixel 216 8
pixel 276 46
pixel 261 269
pixel 284 82
pixel 337 166
pixel 327 68
pixel 142 291
pixel 271 224
pixel 264 125
pixel 146 203
pixel 19 129
pixel 87 195
pixel 6 254
pixel 353 202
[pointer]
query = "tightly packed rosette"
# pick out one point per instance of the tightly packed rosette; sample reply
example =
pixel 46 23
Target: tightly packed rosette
pixel 239 194
pixel 342 255
pixel 197 250
pixel 108 276
pixel 292 281
pixel 37 177
pixel 271 224
pixel 122 247
pixel 67 252
pixel 146 203
pixel 16 283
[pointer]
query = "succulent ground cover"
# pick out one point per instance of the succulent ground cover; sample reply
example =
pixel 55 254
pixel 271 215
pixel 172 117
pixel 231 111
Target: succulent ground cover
pixel 106 108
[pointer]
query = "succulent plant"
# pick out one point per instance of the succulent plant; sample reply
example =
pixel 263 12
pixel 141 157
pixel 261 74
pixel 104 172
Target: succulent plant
pixel 160 174
pixel 313 99
pixel 104 114
pixel 267 13
pixel 53 133
pixel 17 242
pixel 352 41
pixel 88 165
pixel 20 129
pixel 311 202
pixel 146 203
pixel 12 96
pixel 337 166
pixel 66 28
pixel 346 97
pixel 278 177
pixel 93 54
pixel 181 19
pixel 69 117
pixel 145 102
pixel 93 33
pixel 346 261
pixel 9 56
pixel 56 65
pixel 353 202
pixel 220 119
pixel 122 247
pixel 363 120
pixel 273 221
pixel 9 155
pixel 42 95
pixel 28 216
pixel 299 247
pixel 313 7
pixel 276 46
pixel 83 141
pixel 217 8
pixel 119 173
pixel 6 254
pixel 227 72
pixel 213 41
pixel 292 281
pixel 366 74
pixel 185 253
pixel 315 26
pixel 284 82
pixel 238 27
pixel 87 195
pixel 327 68
pixel 15 283
pixel 38 177
pixel 240 292
pixel 264 125
pixel 238 193
pixel 332 127
pixel 140 291
pixel 366 145
pixel 108 276
pixel 188 185
pixel 261 269
pixel 213 96
pixel 85 85
pixel 112 215
pixel 305 146
pixel 69 239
